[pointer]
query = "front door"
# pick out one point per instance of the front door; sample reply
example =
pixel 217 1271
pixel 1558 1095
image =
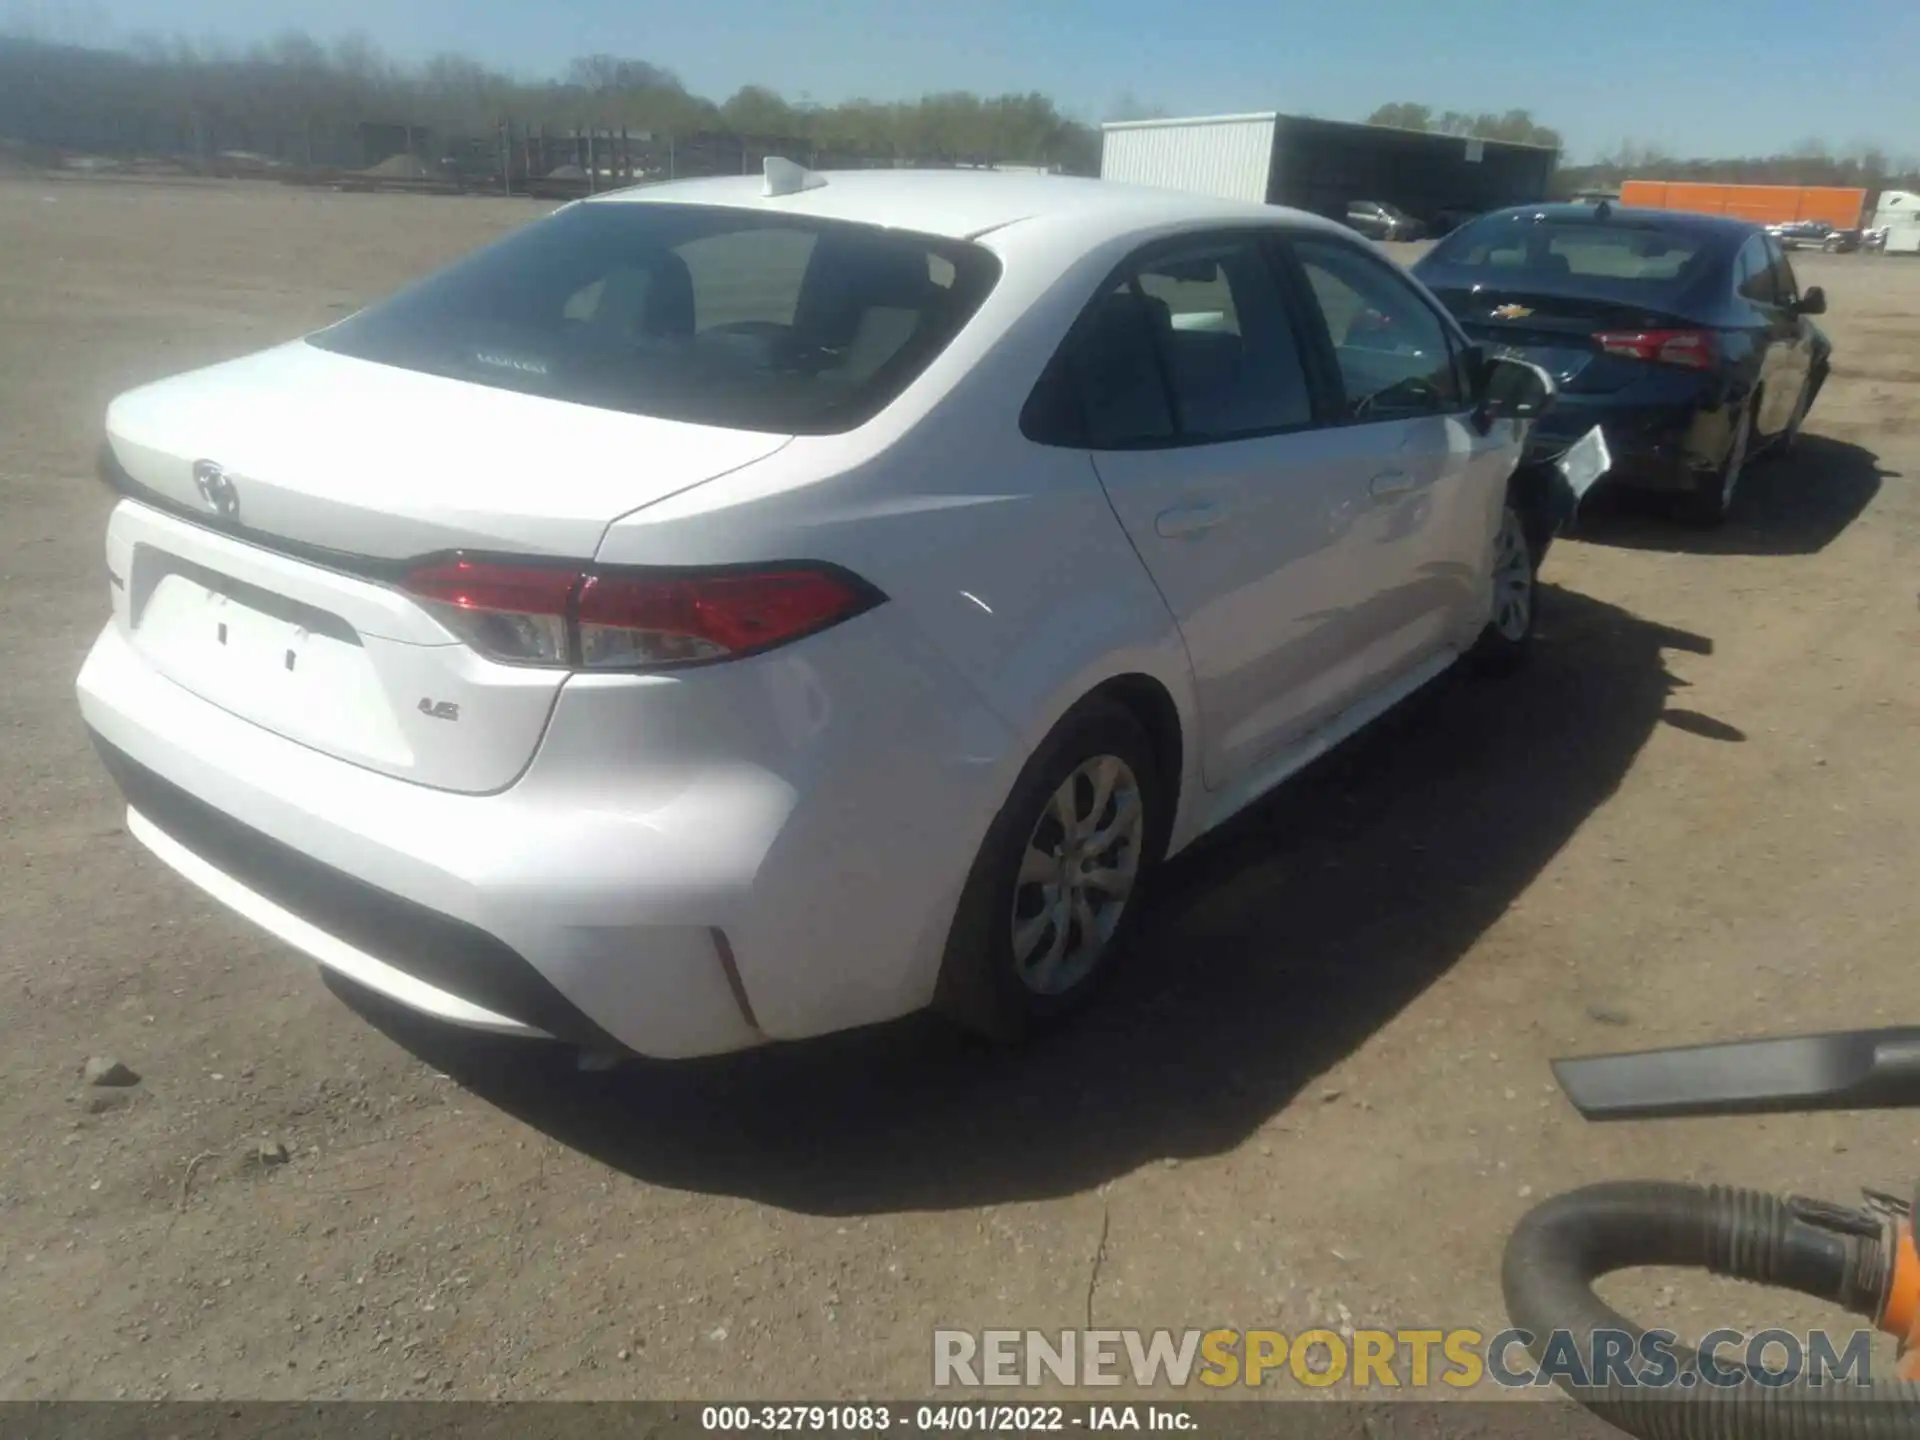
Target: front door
pixel 1790 336
pixel 1432 485
pixel 1766 282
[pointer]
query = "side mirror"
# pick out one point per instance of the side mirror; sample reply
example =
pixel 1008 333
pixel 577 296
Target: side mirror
pixel 1813 302
pixel 1513 389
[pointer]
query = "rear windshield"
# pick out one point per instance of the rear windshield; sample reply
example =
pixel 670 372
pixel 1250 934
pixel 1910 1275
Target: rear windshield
pixel 1514 247
pixel 695 313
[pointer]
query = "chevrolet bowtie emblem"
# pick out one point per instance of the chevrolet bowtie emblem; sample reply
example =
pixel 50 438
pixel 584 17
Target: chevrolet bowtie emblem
pixel 1511 312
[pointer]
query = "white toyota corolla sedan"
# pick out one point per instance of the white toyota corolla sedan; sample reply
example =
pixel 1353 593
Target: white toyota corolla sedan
pixel 736 610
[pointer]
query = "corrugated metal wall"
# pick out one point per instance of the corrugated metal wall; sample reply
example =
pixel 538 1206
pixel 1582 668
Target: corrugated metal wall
pixel 1226 156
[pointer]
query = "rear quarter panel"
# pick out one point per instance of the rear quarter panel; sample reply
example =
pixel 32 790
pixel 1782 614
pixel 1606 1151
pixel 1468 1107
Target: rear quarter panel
pixel 1005 554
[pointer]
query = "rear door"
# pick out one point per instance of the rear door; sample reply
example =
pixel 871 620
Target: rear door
pixel 1429 486
pixel 1194 395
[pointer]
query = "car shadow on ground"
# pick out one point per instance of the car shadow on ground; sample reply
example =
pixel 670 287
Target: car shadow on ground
pixel 1268 953
pixel 1794 504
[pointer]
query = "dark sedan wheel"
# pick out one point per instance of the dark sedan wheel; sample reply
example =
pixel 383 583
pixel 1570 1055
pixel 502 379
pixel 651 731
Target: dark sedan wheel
pixel 1712 499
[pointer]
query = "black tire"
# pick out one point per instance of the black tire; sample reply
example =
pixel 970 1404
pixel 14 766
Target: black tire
pixel 1507 640
pixel 1711 500
pixel 981 986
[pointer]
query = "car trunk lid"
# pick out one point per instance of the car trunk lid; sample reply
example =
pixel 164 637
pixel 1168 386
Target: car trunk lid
pixel 276 505
pixel 1558 332
pixel 326 450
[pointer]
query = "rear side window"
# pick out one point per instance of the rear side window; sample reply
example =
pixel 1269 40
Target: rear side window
pixel 1510 247
pixel 1231 356
pixel 1108 385
pixel 1191 346
pixel 707 315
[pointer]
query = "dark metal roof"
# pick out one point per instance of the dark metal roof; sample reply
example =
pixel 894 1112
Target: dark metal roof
pixel 1430 135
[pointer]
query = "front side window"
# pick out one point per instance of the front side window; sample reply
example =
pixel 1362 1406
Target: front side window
pixel 1754 273
pixel 1393 353
pixel 1785 284
pixel 702 314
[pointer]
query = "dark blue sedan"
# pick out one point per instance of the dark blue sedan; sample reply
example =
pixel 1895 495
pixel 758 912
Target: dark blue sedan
pixel 1686 338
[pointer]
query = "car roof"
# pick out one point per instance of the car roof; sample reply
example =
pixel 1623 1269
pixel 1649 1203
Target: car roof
pixel 1688 222
pixel 966 204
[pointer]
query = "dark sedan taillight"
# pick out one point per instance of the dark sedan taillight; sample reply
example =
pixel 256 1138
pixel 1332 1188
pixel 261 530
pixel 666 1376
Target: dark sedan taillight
pixel 1688 349
pixel 531 613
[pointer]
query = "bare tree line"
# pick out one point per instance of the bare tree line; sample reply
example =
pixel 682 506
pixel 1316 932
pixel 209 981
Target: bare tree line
pixel 297 100
pixel 1812 162
pixel 1517 126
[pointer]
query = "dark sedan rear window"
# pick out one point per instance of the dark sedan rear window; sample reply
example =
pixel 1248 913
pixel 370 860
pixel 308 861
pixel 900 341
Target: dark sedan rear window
pixel 1511 247
pixel 713 316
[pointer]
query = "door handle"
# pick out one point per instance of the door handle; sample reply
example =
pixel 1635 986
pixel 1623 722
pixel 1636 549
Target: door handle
pixel 1187 520
pixel 1390 483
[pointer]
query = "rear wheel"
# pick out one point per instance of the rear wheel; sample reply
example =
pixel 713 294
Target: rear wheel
pixel 1712 499
pixel 1053 892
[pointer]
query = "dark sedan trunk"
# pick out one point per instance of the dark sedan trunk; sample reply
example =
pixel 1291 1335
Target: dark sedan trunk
pixel 1557 332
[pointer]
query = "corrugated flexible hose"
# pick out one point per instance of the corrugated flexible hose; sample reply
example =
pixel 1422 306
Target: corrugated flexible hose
pixel 1562 1246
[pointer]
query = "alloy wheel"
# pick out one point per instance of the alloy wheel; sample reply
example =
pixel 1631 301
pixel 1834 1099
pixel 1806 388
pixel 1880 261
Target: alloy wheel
pixel 1077 874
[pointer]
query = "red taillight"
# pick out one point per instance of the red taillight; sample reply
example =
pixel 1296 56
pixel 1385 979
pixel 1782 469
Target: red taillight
pixel 1689 349
pixel 630 620
pixel 515 613
pixel 532 614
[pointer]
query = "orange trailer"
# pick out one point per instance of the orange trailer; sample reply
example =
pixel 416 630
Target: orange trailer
pixel 1762 204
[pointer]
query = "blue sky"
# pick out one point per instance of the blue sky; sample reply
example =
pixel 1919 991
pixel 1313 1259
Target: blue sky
pixel 1695 76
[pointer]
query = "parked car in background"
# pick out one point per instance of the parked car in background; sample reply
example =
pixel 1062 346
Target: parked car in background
pixel 1801 234
pixel 1687 337
pixel 734 610
pixel 1843 242
pixel 1378 220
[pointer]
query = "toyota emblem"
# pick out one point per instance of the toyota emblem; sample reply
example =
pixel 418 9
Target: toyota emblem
pixel 217 489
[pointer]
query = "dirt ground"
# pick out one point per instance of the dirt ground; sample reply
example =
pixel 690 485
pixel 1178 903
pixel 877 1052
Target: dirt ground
pixel 1320 1095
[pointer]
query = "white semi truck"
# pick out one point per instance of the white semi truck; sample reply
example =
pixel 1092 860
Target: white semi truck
pixel 1897 216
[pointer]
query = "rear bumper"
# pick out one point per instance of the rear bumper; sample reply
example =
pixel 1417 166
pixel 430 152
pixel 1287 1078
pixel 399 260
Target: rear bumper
pixel 408 952
pixel 1663 446
pixel 705 873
